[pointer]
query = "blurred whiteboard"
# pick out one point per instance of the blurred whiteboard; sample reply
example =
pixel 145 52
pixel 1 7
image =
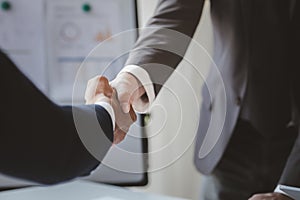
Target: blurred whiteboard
pixel 22 37
pixel 77 33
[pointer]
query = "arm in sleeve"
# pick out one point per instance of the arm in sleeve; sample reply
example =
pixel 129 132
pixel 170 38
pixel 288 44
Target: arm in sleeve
pixel 164 41
pixel 39 140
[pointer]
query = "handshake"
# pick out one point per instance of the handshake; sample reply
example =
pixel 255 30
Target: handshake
pixel 122 94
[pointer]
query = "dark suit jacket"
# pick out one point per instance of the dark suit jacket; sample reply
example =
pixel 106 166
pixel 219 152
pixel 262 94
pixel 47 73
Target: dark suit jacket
pixel 38 139
pixel 255 46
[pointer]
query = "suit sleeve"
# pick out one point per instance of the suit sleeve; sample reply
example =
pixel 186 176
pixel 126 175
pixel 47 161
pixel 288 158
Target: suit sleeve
pixel 39 140
pixel 164 41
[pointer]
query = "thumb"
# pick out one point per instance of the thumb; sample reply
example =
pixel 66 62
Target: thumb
pixel 104 87
pixel 123 98
pixel 125 107
pixel 124 85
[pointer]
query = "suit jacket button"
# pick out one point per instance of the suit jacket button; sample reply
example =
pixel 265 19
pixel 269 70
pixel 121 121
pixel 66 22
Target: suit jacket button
pixel 238 101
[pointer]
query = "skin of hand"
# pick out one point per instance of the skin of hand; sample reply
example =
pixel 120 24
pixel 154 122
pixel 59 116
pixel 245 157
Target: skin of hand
pixel 123 120
pixel 95 86
pixel 130 92
pixel 98 89
pixel 270 196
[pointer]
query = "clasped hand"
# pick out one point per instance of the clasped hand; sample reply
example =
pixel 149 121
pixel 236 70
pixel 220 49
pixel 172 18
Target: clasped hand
pixel 121 93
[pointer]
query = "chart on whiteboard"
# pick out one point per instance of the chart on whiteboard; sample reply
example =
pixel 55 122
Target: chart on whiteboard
pixel 78 30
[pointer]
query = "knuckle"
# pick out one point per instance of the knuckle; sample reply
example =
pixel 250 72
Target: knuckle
pixel 98 78
pixel 123 97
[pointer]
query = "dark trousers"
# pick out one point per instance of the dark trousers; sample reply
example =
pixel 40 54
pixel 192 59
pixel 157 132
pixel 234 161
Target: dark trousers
pixel 251 164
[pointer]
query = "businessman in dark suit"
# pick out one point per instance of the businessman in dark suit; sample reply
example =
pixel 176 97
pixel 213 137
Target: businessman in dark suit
pixel 39 140
pixel 256 51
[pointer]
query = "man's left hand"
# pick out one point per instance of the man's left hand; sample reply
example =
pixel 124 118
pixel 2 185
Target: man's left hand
pixel 270 196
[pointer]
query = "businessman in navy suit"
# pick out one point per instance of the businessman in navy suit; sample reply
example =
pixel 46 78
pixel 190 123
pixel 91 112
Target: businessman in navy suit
pixel 39 140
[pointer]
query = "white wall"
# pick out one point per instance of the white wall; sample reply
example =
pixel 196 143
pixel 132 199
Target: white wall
pixel 177 105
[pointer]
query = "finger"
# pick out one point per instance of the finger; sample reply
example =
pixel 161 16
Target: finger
pixel 123 98
pixel 137 94
pixel 90 89
pixel 102 98
pixel 132 114
pixel 125 86
pixel 97 85
pixel 118 136
pixel 123 94
pixel 104 87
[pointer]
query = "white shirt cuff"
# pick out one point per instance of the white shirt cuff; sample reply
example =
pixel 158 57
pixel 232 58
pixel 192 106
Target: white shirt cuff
pixel 110 111
pixel 278 190
pixel 143 76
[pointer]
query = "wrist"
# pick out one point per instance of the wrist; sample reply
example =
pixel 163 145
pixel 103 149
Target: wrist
pixel 108 107
pixel 142 79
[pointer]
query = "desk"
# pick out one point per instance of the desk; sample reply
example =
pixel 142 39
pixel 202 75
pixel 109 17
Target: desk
pixel 79 190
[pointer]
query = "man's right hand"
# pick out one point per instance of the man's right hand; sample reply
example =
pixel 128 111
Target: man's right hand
pixel 130 92
pixel 123 120
pixel 98 89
